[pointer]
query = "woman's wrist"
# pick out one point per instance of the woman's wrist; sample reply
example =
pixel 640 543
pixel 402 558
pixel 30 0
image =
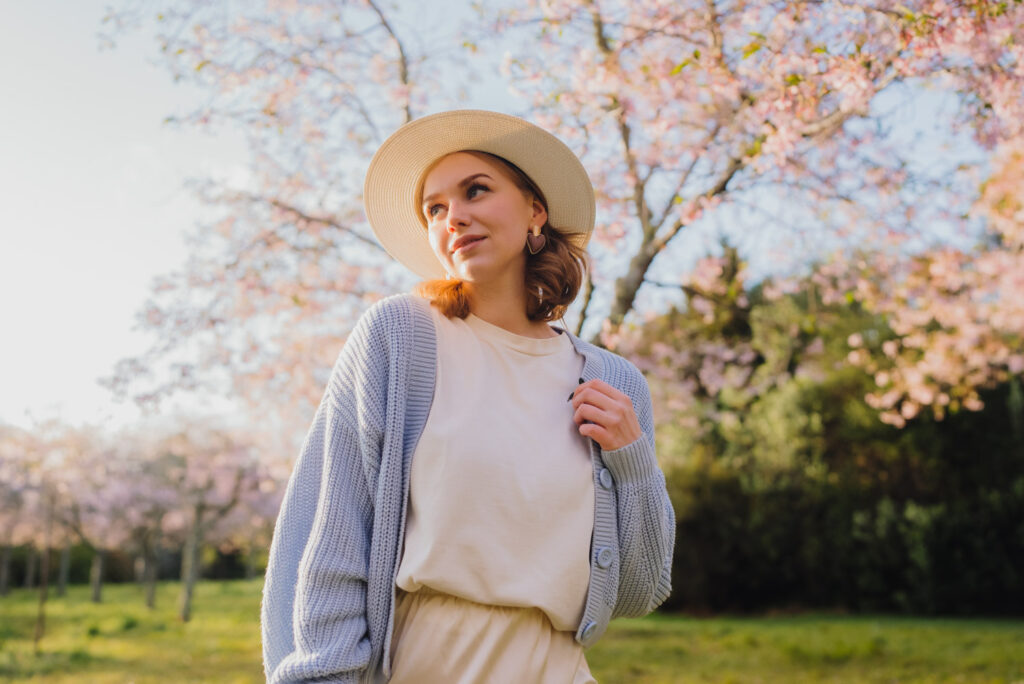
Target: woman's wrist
pixel 633 462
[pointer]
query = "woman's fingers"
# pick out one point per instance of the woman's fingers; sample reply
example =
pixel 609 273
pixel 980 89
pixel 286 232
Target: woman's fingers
pixel 600 394
pixel 590 412
pixel 596 433
pixel 605 414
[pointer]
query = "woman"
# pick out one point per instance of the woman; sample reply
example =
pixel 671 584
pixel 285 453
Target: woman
pixel 478 494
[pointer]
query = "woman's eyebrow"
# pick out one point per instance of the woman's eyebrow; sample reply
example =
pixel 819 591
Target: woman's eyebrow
pixel 462 183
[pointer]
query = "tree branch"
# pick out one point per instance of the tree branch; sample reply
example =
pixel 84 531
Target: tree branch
pixel 719 188
pixel 588 293
pixel 685 177
pixel 599 35
pixel 267 236
pixel 403 61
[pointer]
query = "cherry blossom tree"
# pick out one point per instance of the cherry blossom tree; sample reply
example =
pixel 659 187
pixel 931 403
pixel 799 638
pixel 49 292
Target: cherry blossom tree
pixel 955 314
pixel 145 472
pixel 688 110
pixel 775 118
pixel 956 317
pixel 93 495
pixel 273 285
pixel 18 480
pixel 29 464
pixel 211 470
pixel 709 102
pixel 249 527
pixel 137 490
pixel 713 362
pixel 30 500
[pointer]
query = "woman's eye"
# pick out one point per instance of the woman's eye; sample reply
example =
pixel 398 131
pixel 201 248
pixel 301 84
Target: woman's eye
pixel 473 190
pixel 433 210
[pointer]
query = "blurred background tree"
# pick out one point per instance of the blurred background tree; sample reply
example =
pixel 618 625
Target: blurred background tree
pixel 789 490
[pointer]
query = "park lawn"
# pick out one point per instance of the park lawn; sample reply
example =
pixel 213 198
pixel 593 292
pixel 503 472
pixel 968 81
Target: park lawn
pixel 122 641
pixel 809 648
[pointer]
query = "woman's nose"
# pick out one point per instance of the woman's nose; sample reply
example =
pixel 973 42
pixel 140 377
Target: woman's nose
pixel 457 216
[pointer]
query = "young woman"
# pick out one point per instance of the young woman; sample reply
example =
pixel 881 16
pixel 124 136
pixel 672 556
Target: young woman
pixel 478 494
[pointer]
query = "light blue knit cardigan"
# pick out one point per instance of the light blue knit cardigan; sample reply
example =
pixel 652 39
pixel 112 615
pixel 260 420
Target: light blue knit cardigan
pixel 328 600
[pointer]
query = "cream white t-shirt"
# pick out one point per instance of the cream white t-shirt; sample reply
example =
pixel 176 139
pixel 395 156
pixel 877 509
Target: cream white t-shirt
pixel 501 499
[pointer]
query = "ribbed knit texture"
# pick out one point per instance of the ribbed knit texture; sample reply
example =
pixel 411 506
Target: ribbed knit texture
pixel 328 598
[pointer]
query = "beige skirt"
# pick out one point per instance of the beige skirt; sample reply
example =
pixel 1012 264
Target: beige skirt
pixel 443 639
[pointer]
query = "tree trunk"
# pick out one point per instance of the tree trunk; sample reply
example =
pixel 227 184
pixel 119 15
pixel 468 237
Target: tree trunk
pixel 44 577
pixel 44 584
pixel 150 580
pixel 189 570
pixel 64 570
pixel 1015 406
pixel 96 575
pixel 629 284
pixel 5 569
pixel 30 567
pixel 150 572
pixel 250 562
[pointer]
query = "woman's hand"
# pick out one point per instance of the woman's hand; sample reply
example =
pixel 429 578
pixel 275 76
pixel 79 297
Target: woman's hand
pixel 605 414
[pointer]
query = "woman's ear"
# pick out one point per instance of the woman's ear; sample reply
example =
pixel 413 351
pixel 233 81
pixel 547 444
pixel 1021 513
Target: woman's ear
pixel 540 214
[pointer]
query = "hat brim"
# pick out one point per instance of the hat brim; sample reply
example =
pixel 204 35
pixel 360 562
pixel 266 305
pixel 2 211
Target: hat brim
pixel 389 192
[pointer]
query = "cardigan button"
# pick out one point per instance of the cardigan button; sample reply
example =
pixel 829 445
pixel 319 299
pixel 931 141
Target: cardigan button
pixel 606 478
pixel 589 629
pixel 604 557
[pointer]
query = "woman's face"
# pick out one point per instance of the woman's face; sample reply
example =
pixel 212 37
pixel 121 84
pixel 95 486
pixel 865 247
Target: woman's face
pixel 478 218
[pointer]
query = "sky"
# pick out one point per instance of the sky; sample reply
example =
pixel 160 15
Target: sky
pixel 92 204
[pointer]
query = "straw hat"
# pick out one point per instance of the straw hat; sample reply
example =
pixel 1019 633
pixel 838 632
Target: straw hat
pixel 396 172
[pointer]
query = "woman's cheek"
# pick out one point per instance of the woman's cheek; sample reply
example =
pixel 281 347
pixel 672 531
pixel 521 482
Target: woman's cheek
pixel 435 244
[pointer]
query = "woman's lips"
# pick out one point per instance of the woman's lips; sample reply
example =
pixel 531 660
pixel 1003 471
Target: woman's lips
pixel 468 244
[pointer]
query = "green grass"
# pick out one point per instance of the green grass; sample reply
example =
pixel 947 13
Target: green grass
pixel 809 648
pixel 122 641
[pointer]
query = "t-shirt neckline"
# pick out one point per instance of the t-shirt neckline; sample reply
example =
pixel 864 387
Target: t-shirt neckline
pixel 537 346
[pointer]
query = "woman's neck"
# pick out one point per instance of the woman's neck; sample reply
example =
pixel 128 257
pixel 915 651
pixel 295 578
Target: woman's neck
pixel 506 309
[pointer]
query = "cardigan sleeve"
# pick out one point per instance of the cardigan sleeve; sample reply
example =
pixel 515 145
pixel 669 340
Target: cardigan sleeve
pixel 646 519
pixel 313 614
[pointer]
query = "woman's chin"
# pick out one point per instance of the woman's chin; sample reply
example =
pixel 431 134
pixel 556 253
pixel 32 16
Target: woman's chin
pixel 472 272
pixel 468 275
pixel 481 269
